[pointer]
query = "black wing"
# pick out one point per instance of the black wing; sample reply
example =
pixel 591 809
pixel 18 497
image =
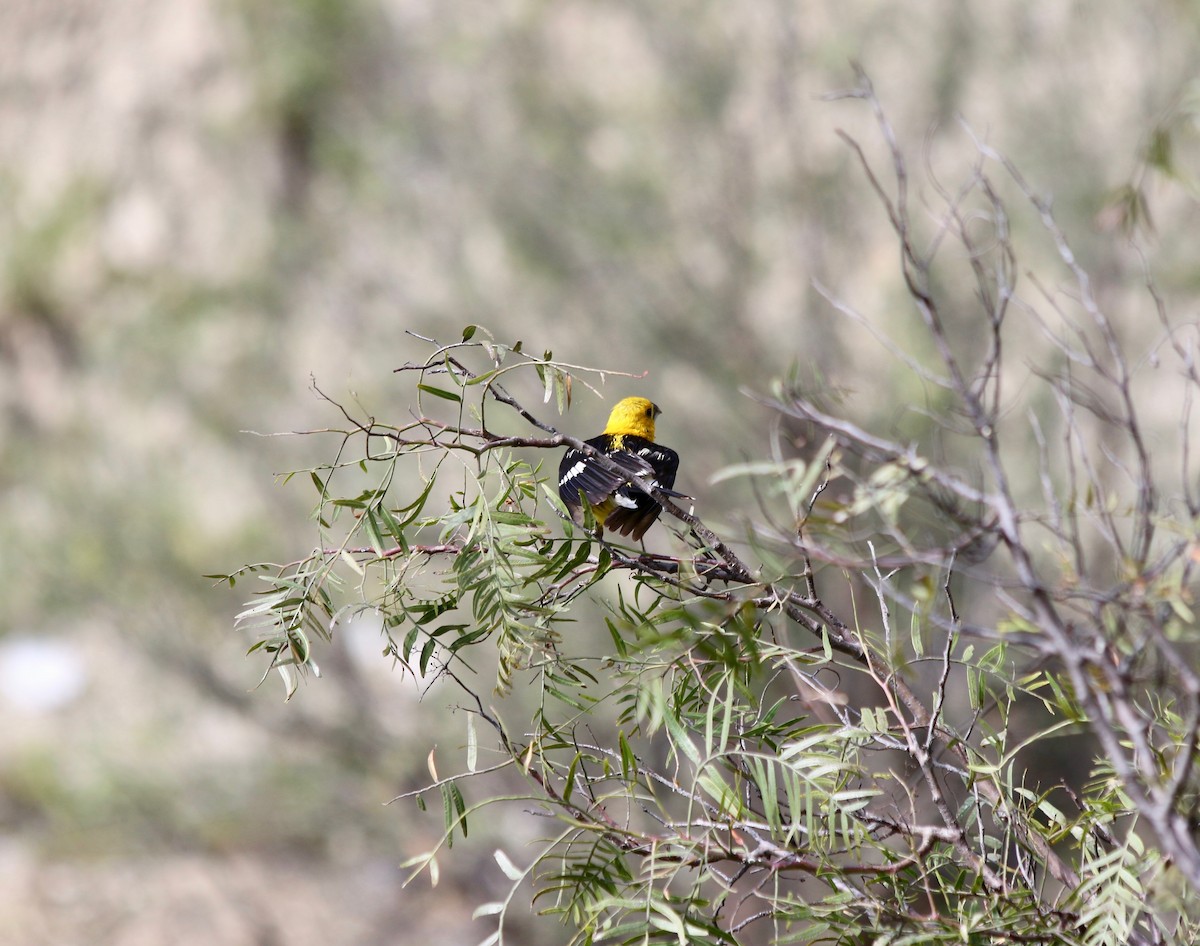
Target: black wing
pixel 579 473
pixel 635 510
pixel 631 511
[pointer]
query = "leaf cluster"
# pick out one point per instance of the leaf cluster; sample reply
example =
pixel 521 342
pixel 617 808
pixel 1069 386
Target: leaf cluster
pixel 843 725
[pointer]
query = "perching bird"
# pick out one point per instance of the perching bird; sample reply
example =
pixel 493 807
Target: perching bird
pixel 628 441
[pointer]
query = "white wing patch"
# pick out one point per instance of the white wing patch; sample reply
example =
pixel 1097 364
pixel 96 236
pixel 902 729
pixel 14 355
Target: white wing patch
pixel 573 472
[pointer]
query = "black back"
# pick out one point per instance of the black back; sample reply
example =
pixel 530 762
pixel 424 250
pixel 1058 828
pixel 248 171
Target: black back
pixel 633 511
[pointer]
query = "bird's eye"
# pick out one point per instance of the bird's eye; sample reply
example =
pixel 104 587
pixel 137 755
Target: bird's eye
pixel 649 411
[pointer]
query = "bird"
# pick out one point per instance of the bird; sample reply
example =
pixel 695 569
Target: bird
pixel 616 504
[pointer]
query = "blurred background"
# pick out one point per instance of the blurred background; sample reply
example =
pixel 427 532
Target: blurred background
pixel 206 205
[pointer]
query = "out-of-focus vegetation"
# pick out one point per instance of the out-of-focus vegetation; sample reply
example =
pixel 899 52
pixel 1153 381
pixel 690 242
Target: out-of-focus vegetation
pixel 206 205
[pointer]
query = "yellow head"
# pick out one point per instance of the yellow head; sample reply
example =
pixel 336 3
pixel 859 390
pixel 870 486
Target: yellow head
pixel 633 416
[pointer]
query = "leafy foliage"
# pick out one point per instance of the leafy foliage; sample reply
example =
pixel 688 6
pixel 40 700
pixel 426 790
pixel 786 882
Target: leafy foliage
pixel 852 738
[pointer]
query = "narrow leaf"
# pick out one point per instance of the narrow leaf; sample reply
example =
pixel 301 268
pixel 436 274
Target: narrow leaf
pixel 438 392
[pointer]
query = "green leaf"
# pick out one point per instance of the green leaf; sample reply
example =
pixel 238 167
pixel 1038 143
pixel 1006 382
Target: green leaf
pixel 438 392
pixel 569 783
pixel 915 632
pixel 629 764
pixel 467 639
pixel 427 652
pixel 374 536
pixel 721 792
pixel 469 332
pixel 414 508
pixel 679 736
pixel 460 807
pixel 393 526
pixel 448 806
